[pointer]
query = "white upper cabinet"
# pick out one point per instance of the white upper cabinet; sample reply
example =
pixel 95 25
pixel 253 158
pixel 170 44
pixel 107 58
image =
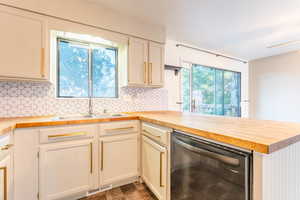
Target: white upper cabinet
pixel 22 46
pixel 156 64
pixel 145 64
pixel 138 58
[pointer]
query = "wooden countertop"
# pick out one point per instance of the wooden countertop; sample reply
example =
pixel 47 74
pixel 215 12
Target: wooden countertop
pixel 258 135
pixel 9 124
pixel 262 136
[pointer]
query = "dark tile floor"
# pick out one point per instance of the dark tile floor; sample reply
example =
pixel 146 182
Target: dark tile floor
pixel 133 191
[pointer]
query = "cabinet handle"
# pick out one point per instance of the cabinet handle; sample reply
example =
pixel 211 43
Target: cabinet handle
pixel 5 181
pixel 91 148
pixel 67 135
pixel 43 62
pixel 102 143
pixel 6 147
pixel 150 73
pixel 161 169
pixel 151 134
pixel 145 72
pixel 119 129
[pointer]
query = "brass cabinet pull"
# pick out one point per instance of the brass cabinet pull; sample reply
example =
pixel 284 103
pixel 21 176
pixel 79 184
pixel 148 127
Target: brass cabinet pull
pixel 91 148
pixel 151 134
pixel 67 135
pixel 119 129
pixel 150 73
pixel 43 62
pixel 145 72
pixel 161 169
pixel 5 181
pixel 6 147
pixel 102 143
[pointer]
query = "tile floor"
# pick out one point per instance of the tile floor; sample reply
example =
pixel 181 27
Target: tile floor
pixel 133 191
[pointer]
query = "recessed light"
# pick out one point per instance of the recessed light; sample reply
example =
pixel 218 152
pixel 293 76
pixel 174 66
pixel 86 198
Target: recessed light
pixel 284 44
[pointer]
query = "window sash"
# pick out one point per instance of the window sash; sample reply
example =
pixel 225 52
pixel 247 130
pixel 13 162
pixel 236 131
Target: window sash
pixel 90 47
pixel 190 68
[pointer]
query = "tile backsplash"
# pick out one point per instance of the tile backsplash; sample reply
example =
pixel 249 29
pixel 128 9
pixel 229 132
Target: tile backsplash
pixel 33 98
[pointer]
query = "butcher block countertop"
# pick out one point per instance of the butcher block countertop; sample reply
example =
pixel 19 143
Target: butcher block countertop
pixel 261 136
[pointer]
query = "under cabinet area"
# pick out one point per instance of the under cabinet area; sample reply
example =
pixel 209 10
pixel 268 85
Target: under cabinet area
pixel 23 37
pixel 145 63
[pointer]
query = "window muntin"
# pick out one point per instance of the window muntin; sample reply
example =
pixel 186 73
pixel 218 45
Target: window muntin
pixel 86 70
pixel 211 90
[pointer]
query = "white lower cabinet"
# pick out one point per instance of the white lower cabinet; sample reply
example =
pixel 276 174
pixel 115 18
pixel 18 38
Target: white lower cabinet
pixel 66 169
pixel 5 177
pixel 118 156
pixel 154 167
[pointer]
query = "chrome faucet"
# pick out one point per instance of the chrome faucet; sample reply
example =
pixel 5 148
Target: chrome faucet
pixel 91 112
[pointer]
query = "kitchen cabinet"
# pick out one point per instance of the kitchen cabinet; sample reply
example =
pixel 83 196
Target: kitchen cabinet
pixel 66 169
pixel 156 64
pixel 118 158
pixel 137 62
pixel 5 177
pixel 22 47
pixel 145 64
pixel 154 167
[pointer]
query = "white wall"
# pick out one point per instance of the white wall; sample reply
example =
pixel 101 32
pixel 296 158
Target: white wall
pixel 94 14
pixel 275 87
pixel 176 55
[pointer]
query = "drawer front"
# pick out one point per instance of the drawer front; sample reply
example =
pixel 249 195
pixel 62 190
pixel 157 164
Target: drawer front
pixel 155 132
pixel 66 133
pixel 113 128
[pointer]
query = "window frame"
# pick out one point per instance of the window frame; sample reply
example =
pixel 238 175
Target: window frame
pixel 189 66
pixel 90 46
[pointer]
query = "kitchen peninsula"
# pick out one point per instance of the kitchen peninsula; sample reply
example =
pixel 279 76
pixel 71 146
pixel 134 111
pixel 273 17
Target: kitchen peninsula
pixel 275 145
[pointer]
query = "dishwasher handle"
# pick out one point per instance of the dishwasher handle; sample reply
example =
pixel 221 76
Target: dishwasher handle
pixel 220 157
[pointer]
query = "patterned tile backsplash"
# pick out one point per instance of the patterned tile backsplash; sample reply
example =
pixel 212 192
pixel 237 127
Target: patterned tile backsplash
pixel 33 98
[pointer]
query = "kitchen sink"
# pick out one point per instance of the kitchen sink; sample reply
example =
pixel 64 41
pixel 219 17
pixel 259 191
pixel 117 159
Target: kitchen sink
pixel 95 116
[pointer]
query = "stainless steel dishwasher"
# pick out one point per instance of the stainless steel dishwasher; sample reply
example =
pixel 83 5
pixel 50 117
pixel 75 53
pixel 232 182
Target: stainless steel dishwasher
pixel 203 170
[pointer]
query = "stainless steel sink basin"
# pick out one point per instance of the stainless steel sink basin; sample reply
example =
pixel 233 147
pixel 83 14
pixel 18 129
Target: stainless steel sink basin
pixel 95 116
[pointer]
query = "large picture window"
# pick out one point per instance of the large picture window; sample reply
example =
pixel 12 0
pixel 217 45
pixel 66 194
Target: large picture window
pixel 86 70
pixel 209 90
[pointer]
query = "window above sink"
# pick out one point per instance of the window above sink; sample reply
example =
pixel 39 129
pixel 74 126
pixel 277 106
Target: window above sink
pixel 85 66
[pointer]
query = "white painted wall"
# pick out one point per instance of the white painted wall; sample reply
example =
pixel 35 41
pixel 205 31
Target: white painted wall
pixel 176 55
pixel 94 14
pixel 275 86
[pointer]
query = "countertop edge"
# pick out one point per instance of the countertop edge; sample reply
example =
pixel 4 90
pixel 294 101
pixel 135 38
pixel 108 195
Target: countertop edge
pixel 219 137
pixel 261 148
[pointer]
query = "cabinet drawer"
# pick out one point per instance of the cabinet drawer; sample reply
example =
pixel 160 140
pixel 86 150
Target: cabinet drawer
pixel 155 132
pixel 113 128
pixel 59 134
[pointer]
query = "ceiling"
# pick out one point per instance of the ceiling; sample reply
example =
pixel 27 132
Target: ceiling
pixel 241 28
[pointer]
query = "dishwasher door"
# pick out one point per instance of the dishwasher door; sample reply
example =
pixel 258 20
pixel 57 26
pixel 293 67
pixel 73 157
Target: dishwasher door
pixel 207 171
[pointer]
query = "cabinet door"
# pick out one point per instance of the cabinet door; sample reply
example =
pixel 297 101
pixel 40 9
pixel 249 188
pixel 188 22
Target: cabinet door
pixel 66 169
pixel 118 158
pixel 154 167
pixel 5 178
pixel 22 45
pixel 156 64
pixel 138 58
